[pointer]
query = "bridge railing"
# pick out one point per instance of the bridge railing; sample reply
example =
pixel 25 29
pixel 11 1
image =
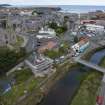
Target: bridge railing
pixel 90 64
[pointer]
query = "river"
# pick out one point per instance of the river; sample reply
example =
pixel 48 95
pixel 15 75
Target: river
pixel 63 91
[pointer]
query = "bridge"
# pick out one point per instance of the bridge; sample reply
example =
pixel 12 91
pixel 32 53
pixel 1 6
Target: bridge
pixel 101 91
pixel 89 64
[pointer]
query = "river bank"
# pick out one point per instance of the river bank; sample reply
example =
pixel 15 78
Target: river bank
pixel 40 92
pixel 89 53
pixel 68 87
pixel 50 89
pixel 102 63
pixel 87 92
pixel 62 70
pixel 63 90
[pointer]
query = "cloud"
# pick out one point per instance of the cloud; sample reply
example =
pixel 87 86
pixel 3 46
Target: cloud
pixel 54 2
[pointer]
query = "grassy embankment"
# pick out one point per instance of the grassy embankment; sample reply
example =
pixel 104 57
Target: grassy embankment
pixel 38 93
pixel 27 89
pixel 102 63
pixel 24 82
pixel 9 58
pixel 86 94
pixel 90 53
pixel 18 43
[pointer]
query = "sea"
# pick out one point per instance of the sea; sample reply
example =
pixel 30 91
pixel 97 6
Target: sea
pixel 81 8
pixel 71 8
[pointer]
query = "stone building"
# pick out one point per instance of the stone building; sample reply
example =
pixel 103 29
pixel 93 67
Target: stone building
pixel 7 33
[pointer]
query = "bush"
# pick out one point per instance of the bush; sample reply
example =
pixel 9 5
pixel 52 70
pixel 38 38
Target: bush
pixel 61 29
pixel 9 58
pixel 58 29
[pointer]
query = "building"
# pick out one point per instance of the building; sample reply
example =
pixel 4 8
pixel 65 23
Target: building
pixel 48 31
pixel 81 46
pixel 96 28
pixel 40 66
pixel 100 22
pixel 44 35
pixel 26 13
pixel 31 23
pixel 7 33
pixel 46 39
pixel 88 21
pixel 47 43
pixel 48 46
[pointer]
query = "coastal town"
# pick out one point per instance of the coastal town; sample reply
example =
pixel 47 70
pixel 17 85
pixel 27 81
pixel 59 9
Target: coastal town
pixel 40 45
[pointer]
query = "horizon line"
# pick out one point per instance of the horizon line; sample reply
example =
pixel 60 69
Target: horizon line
pixel 50 4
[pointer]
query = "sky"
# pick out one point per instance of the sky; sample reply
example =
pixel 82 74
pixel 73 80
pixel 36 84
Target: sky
pixel 53 2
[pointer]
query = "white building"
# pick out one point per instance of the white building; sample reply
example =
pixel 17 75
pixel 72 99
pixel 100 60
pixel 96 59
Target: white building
pixel 40 66
pixel 44 35
pixel 93 27
pixel 27 13
pixel 80 46
pixel 48 31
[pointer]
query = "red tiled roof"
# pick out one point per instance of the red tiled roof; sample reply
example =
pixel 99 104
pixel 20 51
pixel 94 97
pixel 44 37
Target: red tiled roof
pixel 83 41
pixel 49 45
pixel 88 21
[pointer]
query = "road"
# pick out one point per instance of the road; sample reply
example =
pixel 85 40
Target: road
pixel 91 65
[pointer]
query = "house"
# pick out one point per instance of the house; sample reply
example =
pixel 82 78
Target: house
pixel 88 21
pixel 81 45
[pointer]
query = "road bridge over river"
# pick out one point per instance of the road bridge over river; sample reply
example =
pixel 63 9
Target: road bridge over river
pixel 101 91
pixel 89 64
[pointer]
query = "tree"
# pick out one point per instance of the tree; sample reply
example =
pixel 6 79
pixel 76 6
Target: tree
pixel 51 54
pixel 64 49
pixel 76 39
pixel 9 58
pixel 52 25
pixel 14 26
pixel 4 24
pixel 61 30
pixel 66 18
pixel 33 12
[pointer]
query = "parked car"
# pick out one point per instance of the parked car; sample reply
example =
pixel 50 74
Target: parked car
pixel 100 100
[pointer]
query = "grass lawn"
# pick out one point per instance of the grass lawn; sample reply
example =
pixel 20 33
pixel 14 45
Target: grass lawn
pixel 25 83
pixel 21 75
pixel 87 92
pixel 19 42
pixel 102 63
